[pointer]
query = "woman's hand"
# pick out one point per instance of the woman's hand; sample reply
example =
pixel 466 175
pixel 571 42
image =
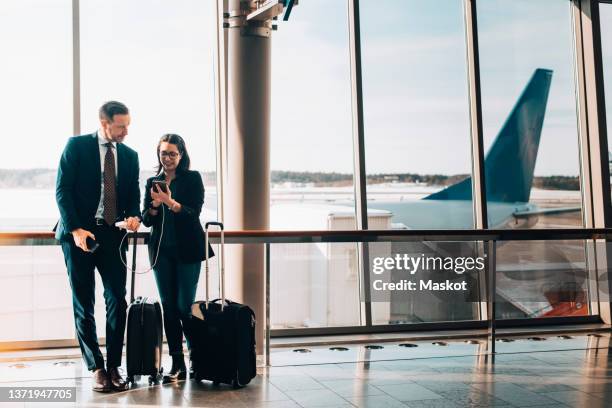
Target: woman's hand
pixel 159 196
pixel 155 203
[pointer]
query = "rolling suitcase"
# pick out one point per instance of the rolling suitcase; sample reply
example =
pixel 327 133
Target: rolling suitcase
pixel 223 333
pixel 144 335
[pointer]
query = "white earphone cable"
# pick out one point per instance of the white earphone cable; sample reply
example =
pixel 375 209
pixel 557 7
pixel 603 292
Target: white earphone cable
pixel 161 235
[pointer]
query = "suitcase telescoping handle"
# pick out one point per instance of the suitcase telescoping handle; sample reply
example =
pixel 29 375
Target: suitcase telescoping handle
pixel 134 246
pixel 220 263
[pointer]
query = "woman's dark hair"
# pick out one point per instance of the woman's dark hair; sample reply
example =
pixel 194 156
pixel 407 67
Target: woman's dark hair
pixel 178 141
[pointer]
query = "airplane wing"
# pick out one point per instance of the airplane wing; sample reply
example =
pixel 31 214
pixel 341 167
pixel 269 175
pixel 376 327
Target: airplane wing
pixel 544 211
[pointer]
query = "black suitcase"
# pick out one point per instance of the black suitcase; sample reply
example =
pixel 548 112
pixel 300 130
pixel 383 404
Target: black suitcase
pixel 223 334
pixel 144 335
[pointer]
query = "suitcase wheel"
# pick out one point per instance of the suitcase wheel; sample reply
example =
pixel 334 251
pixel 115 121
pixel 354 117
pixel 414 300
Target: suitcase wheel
pixel 129 379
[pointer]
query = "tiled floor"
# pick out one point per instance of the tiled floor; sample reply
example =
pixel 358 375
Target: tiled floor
pixel 574 372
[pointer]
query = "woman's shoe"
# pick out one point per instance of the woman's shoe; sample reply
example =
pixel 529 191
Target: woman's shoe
pixel 178 371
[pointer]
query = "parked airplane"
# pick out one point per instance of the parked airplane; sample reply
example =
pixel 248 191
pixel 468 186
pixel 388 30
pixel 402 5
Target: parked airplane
pixel 509 167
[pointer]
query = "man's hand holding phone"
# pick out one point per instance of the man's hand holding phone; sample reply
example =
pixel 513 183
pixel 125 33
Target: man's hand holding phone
pixel 80 237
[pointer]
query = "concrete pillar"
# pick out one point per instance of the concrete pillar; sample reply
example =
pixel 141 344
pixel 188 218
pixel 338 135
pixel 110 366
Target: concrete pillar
pixel 247 178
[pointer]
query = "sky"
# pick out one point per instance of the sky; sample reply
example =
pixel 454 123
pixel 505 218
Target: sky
pixel 157 56
pixel 414 83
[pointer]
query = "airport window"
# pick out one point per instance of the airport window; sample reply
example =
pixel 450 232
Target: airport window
pixel 543 279
pixel 417 134
pixel 157 58
pixel 36 106
pixel 528 99
pixel 605 16
pixel 429 281
pixel 312 285
pixel 159 62
pixel 532 162
pixel 311 156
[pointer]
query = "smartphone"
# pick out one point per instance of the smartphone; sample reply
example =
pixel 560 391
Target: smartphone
pixel 92 245
pixel 163 186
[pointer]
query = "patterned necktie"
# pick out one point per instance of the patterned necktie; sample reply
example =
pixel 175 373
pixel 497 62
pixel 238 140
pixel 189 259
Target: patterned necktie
pixel 110 190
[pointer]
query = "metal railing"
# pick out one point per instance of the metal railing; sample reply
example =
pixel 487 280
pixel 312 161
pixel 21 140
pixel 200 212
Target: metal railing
pixel 277 237
pixel 268 238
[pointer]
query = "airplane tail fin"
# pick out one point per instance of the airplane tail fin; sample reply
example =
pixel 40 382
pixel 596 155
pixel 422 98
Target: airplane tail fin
pixel 510 162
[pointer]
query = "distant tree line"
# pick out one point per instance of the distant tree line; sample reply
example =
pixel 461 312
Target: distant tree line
pixel 557 183
pixel 31 178
pixel 318 178
pixel 428 179
pixel 321 179
pixel 45 178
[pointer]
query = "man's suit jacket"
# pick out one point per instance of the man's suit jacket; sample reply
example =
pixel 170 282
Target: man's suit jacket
pixel 77 189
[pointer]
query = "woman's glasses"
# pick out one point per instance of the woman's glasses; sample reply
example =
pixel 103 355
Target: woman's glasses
pixel 172 155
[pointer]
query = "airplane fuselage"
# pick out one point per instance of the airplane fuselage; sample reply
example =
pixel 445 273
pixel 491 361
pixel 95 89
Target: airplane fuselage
pixel 451 214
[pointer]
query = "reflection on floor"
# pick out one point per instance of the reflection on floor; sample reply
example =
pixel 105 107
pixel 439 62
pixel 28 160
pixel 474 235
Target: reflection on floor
pixel 554 372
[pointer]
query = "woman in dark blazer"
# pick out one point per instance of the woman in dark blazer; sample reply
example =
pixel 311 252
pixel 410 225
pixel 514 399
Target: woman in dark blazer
pixel 176 247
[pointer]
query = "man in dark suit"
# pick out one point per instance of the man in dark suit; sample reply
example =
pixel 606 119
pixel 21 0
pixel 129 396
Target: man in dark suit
pixel 97 185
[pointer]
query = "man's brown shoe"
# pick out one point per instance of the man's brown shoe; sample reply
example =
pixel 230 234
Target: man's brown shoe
pixel 117 382
pixel 100 381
